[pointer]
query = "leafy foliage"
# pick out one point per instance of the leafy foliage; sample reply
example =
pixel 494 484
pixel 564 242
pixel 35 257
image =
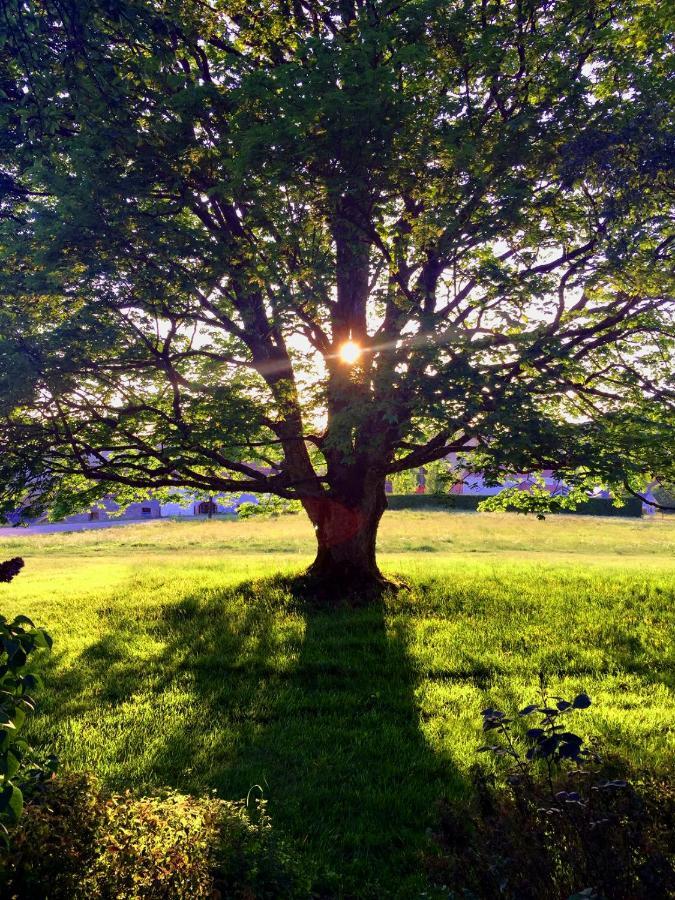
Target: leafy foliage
pixel 520 846
pixel 19 767
pixel 77 841
pixel 54 844
pixel 590 506
pixel 579 831
pixel 10 569
pixel 268 507
pixel 535 499
pixel 549 742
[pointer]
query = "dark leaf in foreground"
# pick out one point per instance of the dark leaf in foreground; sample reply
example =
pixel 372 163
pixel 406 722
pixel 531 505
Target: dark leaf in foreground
pixel 10 569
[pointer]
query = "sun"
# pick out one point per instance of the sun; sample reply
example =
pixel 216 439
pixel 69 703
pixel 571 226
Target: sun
pixel 350 352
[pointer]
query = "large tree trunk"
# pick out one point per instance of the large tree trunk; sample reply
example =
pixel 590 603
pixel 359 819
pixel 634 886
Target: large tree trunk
pixel 346 533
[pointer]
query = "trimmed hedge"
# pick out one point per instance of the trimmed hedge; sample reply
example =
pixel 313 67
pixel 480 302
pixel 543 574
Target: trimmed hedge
pixel 597 506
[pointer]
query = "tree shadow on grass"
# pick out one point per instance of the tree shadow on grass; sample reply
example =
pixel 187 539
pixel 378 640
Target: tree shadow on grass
pixel 249 685
pixel 315 707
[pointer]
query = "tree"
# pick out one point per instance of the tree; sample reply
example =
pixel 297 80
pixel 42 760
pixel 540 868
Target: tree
pixel 203 202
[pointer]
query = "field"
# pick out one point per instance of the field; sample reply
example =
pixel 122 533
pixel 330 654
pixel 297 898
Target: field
pixel 181 658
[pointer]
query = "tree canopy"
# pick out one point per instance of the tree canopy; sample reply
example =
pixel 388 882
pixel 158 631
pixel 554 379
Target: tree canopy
pixel 202 201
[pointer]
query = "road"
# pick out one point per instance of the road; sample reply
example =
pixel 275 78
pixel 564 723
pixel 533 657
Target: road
pixel 52 527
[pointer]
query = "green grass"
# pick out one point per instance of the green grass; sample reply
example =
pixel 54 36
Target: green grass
pixel 179 660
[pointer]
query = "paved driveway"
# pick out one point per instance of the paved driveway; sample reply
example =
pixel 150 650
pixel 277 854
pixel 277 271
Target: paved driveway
pixel 52 527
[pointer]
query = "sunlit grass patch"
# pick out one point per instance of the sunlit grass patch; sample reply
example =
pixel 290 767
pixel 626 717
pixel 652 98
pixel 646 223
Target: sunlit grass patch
pixel 184 662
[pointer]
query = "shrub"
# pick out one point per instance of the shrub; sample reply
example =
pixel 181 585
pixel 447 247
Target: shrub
pixel 75 841
pixel 518 846
pixel 269 507
pixel 549 743
pixel 20 769
pixel 155 847
pixel 594 506
pixel 54 846
pixel 253 861
pixel 565 825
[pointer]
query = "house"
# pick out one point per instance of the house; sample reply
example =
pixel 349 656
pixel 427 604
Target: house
pixel 218 504
pixel 473 483
pixel 108 510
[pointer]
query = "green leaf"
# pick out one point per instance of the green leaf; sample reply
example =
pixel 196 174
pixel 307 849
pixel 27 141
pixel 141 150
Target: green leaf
pixel 9 764
pixel 11 802
pixel 42 639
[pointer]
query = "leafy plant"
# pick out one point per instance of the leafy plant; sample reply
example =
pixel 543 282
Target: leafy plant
pixel 517 845
pixel 539 500
pixel 19 768
pixel 269 507
pixel 77 841
pixel 54 845
pixel 578 832
pixel 10 568
pixel 550 742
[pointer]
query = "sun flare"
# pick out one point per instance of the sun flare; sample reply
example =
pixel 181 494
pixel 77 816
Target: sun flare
pixel 350 352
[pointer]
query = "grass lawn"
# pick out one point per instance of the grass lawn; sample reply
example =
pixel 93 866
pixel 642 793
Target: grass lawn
pixel 179 659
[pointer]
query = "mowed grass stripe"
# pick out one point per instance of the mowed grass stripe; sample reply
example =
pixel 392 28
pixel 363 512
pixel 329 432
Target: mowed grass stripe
pixel 400 532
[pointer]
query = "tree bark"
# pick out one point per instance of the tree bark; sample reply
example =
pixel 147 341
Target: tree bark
pixel 346 534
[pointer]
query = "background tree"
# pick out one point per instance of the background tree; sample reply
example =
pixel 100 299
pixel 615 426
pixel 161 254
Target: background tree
pixel 202 202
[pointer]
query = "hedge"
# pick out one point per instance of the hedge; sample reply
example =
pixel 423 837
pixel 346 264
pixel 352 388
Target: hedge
pixel 596 506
